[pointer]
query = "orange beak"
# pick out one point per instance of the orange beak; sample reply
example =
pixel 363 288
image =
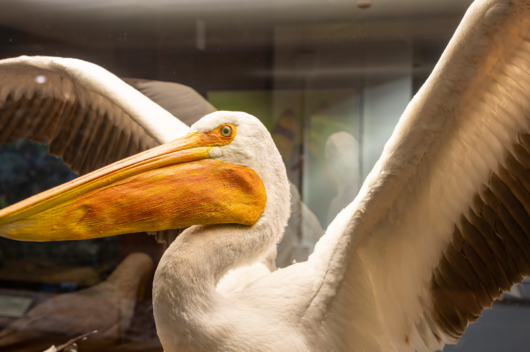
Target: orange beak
pixel 171 186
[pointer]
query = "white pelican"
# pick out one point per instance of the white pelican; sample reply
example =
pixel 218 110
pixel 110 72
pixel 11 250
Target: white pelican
pixel 439 229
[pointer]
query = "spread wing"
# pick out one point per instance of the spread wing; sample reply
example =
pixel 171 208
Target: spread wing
pixel 180 100
pixel 87 115
pixel 442 224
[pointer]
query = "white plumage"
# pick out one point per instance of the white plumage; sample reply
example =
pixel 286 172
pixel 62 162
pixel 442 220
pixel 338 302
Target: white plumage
pixel 440 227
pixel 72 80
pixel 369 284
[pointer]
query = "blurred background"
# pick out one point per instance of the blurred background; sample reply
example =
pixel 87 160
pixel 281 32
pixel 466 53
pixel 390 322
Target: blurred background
pixel 328 78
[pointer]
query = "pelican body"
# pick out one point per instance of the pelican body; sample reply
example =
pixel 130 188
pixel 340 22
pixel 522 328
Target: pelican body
pixel 440 228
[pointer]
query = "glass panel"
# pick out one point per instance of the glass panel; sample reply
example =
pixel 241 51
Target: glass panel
pixel 328 79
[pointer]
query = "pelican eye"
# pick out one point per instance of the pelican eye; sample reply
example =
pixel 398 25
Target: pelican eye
pixel 226 131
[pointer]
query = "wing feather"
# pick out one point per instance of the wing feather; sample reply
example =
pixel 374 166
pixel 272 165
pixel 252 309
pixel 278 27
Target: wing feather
pixel 178 99
pixel 66 102
pixel 442 224
pixel 88 116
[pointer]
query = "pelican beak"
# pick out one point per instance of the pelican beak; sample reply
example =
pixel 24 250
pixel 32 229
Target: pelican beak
pixel 171 186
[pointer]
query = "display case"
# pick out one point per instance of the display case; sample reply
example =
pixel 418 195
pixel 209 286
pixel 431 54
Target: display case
pixel 328 79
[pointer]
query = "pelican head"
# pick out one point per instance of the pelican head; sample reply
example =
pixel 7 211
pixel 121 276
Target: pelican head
pixel 226 170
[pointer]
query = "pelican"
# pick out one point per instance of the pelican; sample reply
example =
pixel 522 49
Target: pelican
pixel 440 228
pixel 91 118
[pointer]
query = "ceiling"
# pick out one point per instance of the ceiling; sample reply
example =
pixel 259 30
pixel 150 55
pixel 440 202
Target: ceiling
pixel 157 39
pixel 19 13
pixel 249 22
pixel 293 8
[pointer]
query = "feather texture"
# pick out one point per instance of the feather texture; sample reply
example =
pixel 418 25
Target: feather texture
pixel 88 116
pixel 442 224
